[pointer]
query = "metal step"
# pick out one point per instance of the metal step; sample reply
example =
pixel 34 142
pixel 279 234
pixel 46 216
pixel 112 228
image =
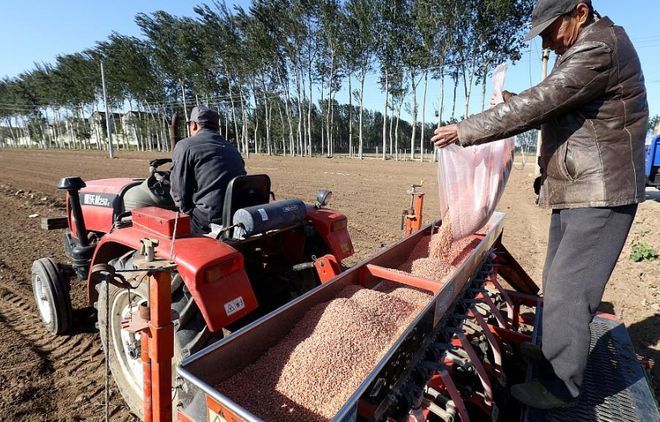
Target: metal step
pixel 615 387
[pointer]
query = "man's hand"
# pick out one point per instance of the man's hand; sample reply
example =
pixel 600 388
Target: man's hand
pixel 445 135
pixel 506 96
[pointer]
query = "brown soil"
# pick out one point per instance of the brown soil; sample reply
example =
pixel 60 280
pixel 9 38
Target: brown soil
pixel 44 377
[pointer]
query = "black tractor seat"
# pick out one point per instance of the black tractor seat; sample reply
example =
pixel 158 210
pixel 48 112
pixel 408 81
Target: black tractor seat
pixel 242 192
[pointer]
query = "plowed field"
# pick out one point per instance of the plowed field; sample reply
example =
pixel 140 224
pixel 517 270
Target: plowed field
pixel 48 378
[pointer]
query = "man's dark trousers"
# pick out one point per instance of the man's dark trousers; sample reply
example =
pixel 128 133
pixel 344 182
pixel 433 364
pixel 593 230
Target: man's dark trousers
pixel 583 247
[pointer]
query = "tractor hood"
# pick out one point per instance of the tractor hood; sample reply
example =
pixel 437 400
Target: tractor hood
pixel 101 201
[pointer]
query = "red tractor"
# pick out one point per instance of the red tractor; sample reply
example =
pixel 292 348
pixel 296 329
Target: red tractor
pixel 263 254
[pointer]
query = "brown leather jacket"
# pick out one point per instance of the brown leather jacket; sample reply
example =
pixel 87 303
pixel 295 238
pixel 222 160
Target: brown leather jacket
pixel 593 114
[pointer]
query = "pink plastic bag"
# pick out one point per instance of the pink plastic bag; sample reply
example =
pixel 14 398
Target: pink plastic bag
pixel 471 180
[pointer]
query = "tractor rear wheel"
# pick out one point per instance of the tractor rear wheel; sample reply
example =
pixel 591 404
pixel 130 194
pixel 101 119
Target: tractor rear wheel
pixel 124 349
pixel 51 293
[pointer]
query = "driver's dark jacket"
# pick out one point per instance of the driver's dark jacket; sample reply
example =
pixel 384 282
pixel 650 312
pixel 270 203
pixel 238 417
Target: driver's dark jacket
pixel 593 114
pixel 202 167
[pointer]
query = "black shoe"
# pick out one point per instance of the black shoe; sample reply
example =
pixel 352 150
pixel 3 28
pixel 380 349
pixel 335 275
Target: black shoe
pixel 531 352
pixel 534 394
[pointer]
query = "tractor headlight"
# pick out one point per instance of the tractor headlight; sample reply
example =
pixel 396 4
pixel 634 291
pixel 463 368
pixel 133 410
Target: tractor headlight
pixel 323 197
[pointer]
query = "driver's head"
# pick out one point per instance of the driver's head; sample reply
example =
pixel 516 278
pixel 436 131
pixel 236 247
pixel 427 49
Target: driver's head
pixel 203 118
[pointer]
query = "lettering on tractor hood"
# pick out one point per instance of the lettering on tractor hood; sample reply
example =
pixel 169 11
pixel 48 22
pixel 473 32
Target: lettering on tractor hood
pixel 97 199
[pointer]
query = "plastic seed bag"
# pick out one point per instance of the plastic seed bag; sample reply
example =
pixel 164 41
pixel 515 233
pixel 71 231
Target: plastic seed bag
pixel 471 179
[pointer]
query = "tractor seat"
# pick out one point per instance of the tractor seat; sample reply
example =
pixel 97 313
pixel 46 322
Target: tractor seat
pixel 243 192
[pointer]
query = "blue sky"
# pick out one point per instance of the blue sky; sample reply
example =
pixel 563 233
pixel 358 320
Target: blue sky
pixel 38 30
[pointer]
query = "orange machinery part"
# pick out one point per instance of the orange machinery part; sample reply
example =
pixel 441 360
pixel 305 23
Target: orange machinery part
pixel 414 222
pixel 146 377
pixel 161 347
pixel 327 267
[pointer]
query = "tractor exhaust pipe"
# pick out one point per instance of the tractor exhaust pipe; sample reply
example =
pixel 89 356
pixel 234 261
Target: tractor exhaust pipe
pixel 81 253
pixel 72 185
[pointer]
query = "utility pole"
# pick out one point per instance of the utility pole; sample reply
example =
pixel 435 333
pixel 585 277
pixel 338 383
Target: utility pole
pixel 107 113
pixel 544 74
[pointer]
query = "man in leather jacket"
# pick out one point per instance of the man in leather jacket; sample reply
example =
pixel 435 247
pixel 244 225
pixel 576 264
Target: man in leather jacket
pixel 593 114
pixel 202 167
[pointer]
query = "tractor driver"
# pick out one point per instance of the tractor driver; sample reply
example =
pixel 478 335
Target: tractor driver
pixel 593 114
pixel 202 167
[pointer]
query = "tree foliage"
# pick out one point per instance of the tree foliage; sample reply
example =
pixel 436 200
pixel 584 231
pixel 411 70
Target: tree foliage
pixel 272 71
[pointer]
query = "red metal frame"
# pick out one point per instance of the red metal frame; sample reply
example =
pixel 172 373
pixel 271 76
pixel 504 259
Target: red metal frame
pixel 505 331
pixel 403 278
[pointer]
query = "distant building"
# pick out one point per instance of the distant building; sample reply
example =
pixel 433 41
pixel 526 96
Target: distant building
pixel 131 130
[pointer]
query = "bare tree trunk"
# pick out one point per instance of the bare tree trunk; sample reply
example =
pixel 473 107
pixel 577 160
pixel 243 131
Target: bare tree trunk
pixel 309 108
pixel 442 98
pixel 288 112
pixel 421 137
pixel 385 116
pixel 323 126
pixel 172 127
pixel 279 110
pixel 350 117
pixel 257 145
pixel 185 106
pixel 233 108
pixel 244 132
pixel 268 109
pixel 329 114
pixel 300 113
pixel 391 135
pixel 257 148
pixel 331 142
pixel 226 125
pixel 154 122
pixel 413 83
pixel 467 85
pixel 396 130
pixel 453 103
pixel 362 77
pixel 483 94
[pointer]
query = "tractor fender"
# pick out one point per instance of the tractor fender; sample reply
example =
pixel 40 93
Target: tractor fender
pixel 213 272
pixel 332 226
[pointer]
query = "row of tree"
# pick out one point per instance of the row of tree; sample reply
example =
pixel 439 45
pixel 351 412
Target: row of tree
pixel 273 72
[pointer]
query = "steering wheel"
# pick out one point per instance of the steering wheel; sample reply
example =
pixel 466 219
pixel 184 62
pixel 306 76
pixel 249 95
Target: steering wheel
pixel 159 180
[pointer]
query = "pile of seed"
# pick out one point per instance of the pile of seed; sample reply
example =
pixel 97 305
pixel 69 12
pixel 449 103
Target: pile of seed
pixel 313 371
pixel 442 255
pixel 407 294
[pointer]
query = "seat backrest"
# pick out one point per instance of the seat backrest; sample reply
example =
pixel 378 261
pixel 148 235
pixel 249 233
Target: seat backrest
pixel 244 191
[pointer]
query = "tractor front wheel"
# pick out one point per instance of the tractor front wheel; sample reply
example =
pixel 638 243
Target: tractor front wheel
pixel 123 348
pixel 51 293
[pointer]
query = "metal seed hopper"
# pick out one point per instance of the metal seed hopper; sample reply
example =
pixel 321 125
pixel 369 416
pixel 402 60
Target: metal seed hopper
pixel 454 362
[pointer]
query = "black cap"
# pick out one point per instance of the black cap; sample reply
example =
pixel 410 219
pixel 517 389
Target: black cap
pixel 547 11
pixel 205 117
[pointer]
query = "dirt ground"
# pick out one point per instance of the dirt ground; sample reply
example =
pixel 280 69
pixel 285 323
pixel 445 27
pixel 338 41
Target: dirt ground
pixel 46 378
